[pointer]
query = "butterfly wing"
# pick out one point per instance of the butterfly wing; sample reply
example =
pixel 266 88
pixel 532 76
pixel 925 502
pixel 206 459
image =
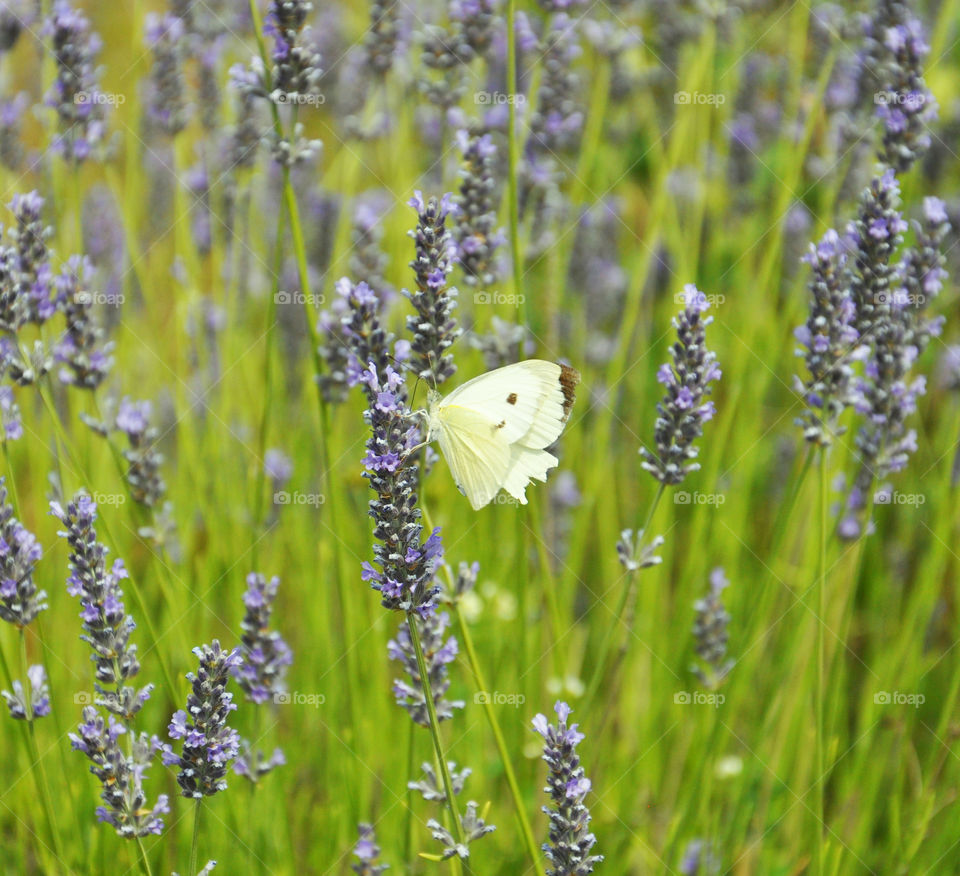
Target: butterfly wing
pixel 493 429
pixel 526 400
pixel 475 451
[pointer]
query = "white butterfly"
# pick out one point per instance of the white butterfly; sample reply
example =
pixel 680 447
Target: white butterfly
pixel 493 429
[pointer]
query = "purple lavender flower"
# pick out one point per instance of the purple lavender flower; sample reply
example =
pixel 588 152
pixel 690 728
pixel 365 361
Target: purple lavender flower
pixel 873 237
pixel 367 853
pixel 11 112
pixel 208 743
pixel 14 16
pixel 264 655
pixel 26 706
pixel 75 94
pixel 81 350
pixel 143 459
pixel 253 765
pixel 699 860
pixel 431 785
pixel 433 327
pixel 382 36
pixel 476 217
pixel 26 293
pixel 474 828
pixel 439 651
pixel 905 104
pixel 334 352
pixel 829 339
pixel 710 634
pixel 477 20
pixel 166 37
pixel 106 625
pixel 278 467
pixel 296 65
pixel 570 839
pixel 683 410
pixel 121 776
pixel 367 260
pixel 10 419
pixel 20 601
pixel 444 51
pixel 556 122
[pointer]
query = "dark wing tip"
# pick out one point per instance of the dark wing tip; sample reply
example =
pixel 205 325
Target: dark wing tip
pixel 569 378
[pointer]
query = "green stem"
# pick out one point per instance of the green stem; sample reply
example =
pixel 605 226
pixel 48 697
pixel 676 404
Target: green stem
pixel 819 753
pixel 195 845
pixel 435 733
pixel 144 860
pixel 628 584
pixel 513 154
pixel 488 708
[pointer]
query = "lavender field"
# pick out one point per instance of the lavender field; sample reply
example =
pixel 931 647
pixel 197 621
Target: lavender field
pixel 671 587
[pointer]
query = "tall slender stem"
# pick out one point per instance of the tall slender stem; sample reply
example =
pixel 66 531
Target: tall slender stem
pixel 513 154
pixel 435 733
pixel 195 845
pixel 819 706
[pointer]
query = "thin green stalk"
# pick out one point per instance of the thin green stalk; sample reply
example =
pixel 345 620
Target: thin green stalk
pixel 435 733
pixel 38 770
pixel 488 707
pixel 819 710
pixel 144 860
pixel 408 820
pixel 513 155
pixel 195 845
pixel 628 583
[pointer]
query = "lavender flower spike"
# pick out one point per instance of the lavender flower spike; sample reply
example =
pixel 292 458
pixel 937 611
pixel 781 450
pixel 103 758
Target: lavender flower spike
pixel 439 652
pixel 683 410
pixel 710 632
pixel 120 775
pixel 829 339
pixel 433 327
pixel 367 853
pixel 208 743
pixel 264 655
pixel 570 839
pixel 143 459
pixel 36 704
pixel 20 601
pixel 106 625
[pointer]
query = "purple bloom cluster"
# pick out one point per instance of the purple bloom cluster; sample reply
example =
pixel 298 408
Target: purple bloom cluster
pixel 143 459
pixel 383 35
pixel 433 327
pixel 556 122
pixel 20 601
pixel 570 838
pixel 367 258
pixel 405 578
pixel 82 351
pixel 905 105
pixel 75 94
pixel 26 277
pixel 474 828
pixel 264 655
pixel 477 20
pixel 710 633
pixel 26 706
pixel 208 743
pixel 106 625
pixel 367 853
pixel 829 338
pixel 296 65
pixel 683 411
pixel 476 232
pixel 121 776
pixel 439 651
pixel 334 352
pixel 166 37
pixel 253 765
